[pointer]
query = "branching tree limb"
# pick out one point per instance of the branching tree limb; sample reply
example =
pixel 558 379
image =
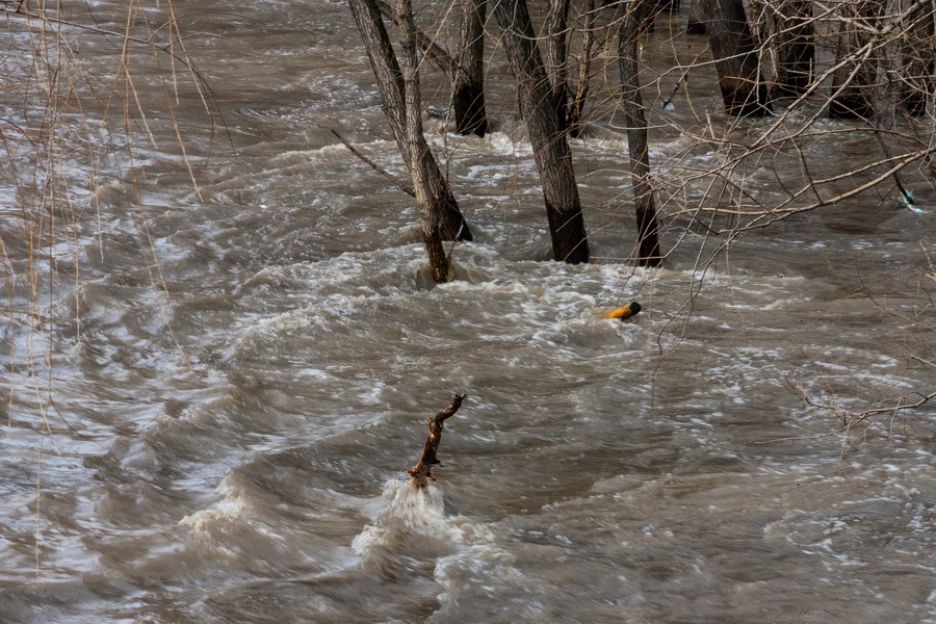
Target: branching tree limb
pixel 422 473
pixel 433 51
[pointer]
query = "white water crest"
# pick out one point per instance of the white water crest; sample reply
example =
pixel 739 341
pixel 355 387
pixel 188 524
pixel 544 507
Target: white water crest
pixel 414 521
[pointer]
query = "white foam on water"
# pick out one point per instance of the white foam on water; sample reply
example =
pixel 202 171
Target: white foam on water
pixel 485 569
pixel 251 528
pixel 505 144
pixel 233 505
pixel 414 518
pixel 489 174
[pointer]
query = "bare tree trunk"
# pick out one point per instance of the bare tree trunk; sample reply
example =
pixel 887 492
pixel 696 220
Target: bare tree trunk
pixel 638 134
pixel 919 51
pixel 433 51
pixel 889 72
pixel 583 78
pixel 468 85
pixel 735 52
pixel 429 197
pixel 853 84
pixel 439 214
pixel 796 53
pixel 466 72
pixel 384 64
pixel 696 24
pixel 557 52
pixel 550 148
pixel 653 11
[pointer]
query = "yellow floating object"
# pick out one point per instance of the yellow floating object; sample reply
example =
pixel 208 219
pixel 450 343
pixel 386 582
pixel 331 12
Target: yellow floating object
pixel 625 312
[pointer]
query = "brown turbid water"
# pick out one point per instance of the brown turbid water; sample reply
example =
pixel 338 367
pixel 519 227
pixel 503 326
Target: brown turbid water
pixel 210 397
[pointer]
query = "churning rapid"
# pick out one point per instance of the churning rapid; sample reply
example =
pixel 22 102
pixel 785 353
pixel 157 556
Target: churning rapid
pixel 210 403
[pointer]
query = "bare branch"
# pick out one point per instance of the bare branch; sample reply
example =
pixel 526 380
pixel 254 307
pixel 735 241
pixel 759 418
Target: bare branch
pixel 422 473
pixel 396 181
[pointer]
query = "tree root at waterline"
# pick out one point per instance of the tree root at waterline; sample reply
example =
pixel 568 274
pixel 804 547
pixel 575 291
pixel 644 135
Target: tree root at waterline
pixel 422 473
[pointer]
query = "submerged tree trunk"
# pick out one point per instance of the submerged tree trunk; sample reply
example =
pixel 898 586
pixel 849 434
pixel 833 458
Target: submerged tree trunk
pixel 557 53
pixel 430 198
pixel 583 77
pixel 889 73
pixel 466 71
pixel 439 214
pixel 433 51
pixel 853 83
pixel 735 52
pixel 550 148
pixel 696 24
pixel 468 84
pixel 638 135
pixel 653 11
pixel 796 52
pixel 919 52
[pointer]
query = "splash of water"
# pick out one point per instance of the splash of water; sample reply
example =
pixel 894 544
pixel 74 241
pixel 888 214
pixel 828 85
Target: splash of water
pixel 414 524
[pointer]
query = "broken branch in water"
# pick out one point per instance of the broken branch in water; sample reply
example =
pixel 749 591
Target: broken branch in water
pixel 400 185
pixel 423 470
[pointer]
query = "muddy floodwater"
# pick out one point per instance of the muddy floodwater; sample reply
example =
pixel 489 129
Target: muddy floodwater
pixel 211 394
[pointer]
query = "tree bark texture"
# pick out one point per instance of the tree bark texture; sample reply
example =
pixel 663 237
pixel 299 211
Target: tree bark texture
pixel 550 148
pixel 736 58
pixel 557 53
pixel 439 214
pixel 468 85
pixel 430 198
pixel 383 62
pixel 433 51
pixel 583 71
pixel 696 23
pixel 793 38
pixel 638 135
pixel 853 83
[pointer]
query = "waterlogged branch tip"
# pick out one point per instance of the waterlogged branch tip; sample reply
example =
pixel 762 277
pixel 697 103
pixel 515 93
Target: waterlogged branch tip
pixel 422 473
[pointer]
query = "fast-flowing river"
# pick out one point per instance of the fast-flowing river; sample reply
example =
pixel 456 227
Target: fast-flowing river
pixel 210 397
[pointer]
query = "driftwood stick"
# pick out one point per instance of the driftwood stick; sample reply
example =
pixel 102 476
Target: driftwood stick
pixel 422 473
pixel 400 185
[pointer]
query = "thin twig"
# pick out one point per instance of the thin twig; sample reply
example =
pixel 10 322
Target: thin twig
pixel 396 181
pixel 818 436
